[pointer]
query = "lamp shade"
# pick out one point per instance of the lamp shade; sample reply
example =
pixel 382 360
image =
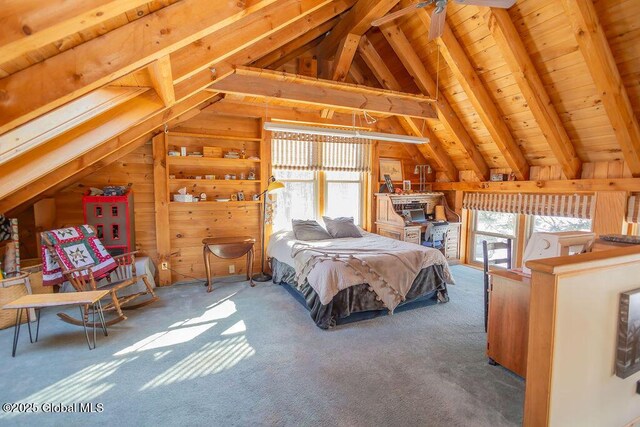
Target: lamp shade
pixel 275 187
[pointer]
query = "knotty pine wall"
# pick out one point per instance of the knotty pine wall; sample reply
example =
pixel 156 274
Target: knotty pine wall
pixel 190 223
pixel 135 168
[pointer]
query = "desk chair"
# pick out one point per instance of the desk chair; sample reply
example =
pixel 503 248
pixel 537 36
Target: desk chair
pixel 487 250
pixel 435 235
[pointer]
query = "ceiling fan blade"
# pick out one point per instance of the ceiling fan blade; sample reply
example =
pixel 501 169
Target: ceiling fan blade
pixel 395 15
pixel 437 23
pixel 504 4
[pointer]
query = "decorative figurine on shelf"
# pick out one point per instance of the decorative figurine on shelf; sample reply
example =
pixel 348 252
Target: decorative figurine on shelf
pixel 243 153
pixel 203 197
pixel 234 197
pixel 241 196
pixel 252 174
pixel 242 175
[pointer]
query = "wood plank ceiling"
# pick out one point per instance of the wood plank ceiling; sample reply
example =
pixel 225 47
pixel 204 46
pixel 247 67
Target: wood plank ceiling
pixel 546 85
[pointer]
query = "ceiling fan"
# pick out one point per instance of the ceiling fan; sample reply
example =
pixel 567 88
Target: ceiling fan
pixel 439 13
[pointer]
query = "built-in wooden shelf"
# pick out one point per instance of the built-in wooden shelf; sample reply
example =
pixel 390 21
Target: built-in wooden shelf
pixel 209 161
pixel 210 136
pixel 213 181
pixel 211 203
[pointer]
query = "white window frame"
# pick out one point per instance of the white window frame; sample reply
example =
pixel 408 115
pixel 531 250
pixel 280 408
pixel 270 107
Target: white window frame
pixel 473 233
pixel 361 182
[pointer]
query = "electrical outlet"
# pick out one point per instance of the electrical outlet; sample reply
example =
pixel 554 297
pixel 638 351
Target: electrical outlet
pixel 164 266
pixel 232 268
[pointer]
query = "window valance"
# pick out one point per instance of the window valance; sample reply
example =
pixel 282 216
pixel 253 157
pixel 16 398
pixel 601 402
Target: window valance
pixel 301 151
pixel 565 205
pixel 633 208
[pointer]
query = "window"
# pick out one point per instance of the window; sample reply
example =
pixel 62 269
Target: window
pixel 493 227
pixel 114 210
pixel 343 195
pixel 342 192
pixel 298 200
pixel 557 223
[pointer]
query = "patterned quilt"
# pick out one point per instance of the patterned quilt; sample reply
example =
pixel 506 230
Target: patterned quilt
pixel 75 247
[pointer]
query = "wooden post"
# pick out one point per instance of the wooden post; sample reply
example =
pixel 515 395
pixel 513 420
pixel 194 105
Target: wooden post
pixel 161 200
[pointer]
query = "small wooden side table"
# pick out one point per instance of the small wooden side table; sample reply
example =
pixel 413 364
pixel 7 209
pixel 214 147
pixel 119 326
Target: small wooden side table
pixel 228 248
pixel 37 302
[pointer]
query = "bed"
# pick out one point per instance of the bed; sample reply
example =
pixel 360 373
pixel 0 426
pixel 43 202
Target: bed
pixel 350 279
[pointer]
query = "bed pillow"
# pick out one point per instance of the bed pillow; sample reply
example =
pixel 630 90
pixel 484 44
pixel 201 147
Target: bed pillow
pixel 341 227
pixel 308 230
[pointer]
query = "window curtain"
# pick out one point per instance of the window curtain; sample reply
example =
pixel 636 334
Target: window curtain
pixel 633 208
pixel 300 151
pixel 564 205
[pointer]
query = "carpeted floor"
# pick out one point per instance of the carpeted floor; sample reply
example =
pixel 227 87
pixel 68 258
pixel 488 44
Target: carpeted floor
pixel 243 356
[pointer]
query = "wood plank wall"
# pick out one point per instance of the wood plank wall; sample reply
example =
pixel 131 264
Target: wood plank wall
pixel 190 223
pixel 135 168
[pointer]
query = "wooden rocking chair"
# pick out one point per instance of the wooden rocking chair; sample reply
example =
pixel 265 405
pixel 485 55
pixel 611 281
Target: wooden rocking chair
pixel 82 279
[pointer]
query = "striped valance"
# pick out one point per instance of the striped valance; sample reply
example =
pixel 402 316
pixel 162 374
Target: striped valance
pixel 565 205
pixel 633 208
pixel 301 151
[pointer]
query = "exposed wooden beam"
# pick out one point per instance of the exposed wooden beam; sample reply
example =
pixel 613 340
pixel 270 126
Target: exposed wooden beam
pixel 606 76
pixel 344 57
pixel 524 72
pixel 225 43
pixel 28 25
pixel 357 22
pixel 55 153
pixel 161 197
pixel 38 131
pixel 556 186
pixel 75 72
pixel 289 49
pixel 386 78
pixel 202 79
pixel 491 117
pixel 98 155
pixel 326 93
pixel 413 64
pixel 162 80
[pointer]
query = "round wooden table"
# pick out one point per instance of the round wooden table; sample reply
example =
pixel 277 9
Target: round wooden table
pixel 228 248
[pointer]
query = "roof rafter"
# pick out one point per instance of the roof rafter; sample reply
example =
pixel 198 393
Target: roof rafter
pixel 606 76
pixel 73 73
pixel 28 25
pixel 524 72
pixel 203 78
pixel 100 155
pixel 434 148
pixel 413 64
pixel 477 93
pixel 42 129
pixel 288 51
pixel 357 22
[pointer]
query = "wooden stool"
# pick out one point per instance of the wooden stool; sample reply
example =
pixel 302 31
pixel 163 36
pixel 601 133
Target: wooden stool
pixel 228 248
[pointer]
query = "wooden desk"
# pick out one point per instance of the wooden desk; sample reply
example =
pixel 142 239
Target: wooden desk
pixel 508 320
pixel 37 302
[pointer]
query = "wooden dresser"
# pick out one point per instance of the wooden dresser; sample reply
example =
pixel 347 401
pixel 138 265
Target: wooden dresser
pixel 390 222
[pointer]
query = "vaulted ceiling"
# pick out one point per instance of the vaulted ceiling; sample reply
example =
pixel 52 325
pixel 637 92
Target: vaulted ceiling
pixel 546 83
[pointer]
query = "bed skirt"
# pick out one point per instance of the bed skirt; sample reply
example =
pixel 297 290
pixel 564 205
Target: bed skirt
pixel 358 302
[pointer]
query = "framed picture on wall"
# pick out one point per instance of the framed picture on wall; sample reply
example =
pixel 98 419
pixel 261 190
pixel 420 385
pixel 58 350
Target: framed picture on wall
pixel 628 346
pixel 391 167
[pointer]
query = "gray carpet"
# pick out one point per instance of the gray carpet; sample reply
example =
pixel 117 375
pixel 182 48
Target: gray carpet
pixel 243 356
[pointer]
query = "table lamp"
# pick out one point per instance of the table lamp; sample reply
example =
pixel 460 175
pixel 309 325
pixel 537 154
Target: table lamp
pixel 273 187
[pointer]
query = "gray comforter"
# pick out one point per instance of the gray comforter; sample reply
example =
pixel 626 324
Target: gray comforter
pixel 430 284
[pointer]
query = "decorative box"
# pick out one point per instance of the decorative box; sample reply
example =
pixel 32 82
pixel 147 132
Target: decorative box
pixel 212 151
pixel 187 198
